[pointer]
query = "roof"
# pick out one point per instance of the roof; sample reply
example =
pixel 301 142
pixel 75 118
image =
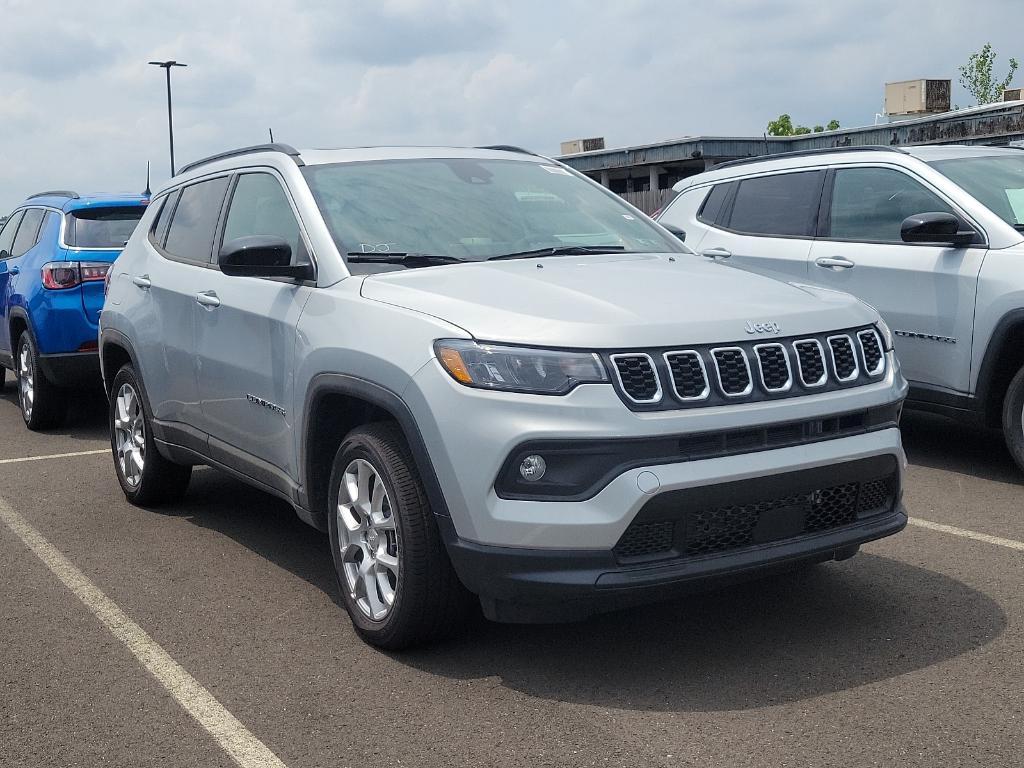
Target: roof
pixel 64 201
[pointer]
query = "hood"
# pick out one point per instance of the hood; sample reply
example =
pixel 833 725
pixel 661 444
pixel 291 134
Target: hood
pixel 614 301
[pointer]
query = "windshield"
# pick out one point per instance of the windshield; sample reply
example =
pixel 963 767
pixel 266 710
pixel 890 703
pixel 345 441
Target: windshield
pixel 473 209
pixel 996 181
pixel 101 227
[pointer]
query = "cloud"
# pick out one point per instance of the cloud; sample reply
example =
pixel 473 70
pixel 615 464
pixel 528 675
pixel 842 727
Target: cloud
pixel 79 107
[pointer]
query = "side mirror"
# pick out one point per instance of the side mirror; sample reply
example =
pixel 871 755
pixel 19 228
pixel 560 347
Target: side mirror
pixel 680 233
pixel 260 256
pixel 936 229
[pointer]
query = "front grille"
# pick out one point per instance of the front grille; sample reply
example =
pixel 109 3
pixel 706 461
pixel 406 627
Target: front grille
pixel 733 371
pixel 687 528
pixel 637 377
pixel 774 366
pixel 646 539
pixel 844 359
pixel 871 349
pixel 811 362
pixel 689 378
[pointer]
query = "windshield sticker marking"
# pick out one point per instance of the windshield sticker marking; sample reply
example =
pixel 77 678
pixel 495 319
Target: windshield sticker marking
pixel 556 169
pixel 376 247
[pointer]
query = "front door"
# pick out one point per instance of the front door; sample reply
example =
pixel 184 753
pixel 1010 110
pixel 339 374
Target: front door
pixel 245 331
pixel 926 293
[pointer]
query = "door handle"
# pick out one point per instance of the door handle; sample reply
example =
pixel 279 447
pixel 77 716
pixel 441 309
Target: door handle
pixel 208 299
pixel 716 253
pixel 834 263
pixel 142 281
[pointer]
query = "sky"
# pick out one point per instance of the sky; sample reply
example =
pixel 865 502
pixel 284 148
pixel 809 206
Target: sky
pixel 80 108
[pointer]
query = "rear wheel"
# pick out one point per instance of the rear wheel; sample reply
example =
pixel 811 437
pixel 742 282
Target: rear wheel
pixel 1013 418
pixel 42 402
pixel 392 568
pixel 146 477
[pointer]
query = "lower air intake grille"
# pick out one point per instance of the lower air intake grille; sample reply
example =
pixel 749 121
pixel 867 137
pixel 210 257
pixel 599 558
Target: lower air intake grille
pixel 638 378
pixel 843 357
pixel 646 539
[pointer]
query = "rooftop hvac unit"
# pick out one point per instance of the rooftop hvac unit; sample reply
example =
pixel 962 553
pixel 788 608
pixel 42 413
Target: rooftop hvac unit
pixel 1013 94
pixel 576 146
pixel 913 97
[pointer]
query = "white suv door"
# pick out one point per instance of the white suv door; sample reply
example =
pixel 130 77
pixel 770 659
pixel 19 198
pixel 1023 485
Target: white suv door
pixel 763 223
pixel 926 293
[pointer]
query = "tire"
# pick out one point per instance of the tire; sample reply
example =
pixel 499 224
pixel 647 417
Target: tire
pixel 1013 418
pixel 146 477
pixel 42 403
pixel 407 594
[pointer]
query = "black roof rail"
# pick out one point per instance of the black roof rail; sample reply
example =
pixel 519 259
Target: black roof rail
pixel 56 193
pixel 805 153
pixel 509 148
pixel 286 149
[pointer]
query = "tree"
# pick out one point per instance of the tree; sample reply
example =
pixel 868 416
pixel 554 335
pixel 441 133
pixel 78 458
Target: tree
pixel 977 76
pixel 783 126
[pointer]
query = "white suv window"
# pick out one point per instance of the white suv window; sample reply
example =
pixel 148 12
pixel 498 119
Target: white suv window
pixel 784 204
pixel 870 204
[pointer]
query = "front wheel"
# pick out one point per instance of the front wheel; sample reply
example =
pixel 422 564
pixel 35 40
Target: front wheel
pixel 1013 418
pixel 392 568
pixel 146 477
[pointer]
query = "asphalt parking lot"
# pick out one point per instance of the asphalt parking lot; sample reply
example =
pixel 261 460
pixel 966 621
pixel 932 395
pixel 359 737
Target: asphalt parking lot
pixel 911 653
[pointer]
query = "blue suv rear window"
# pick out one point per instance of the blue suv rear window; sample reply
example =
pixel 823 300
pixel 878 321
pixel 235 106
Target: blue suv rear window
pixel 101 227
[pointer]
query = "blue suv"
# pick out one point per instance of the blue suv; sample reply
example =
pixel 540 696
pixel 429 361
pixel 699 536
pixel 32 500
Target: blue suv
pixel 55 250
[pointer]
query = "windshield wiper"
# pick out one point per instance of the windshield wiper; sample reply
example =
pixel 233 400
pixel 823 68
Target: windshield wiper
pixel 561 250
pixel 404 259
pixel 1019 227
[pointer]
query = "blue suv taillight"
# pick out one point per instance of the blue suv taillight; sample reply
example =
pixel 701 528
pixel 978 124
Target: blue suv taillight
pixel 60 275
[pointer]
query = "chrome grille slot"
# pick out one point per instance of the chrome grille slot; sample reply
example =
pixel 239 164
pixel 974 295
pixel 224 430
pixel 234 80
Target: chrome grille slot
pixel 733 371
pixel 773 365
pixel 638 377
pixel 810 360
pixel 844 359
pixel 871 352
pixel 688 374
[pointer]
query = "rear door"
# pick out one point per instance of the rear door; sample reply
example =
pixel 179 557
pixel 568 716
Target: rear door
pixel 765 223
pixel 926 293
pixel 245 331
pixel 6 244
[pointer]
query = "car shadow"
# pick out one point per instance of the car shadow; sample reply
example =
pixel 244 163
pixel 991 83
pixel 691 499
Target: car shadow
pixel 86 417
pixel 941 443
pixel 787 638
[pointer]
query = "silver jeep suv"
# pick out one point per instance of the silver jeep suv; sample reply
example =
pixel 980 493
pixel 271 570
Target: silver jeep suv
pixel 484 375
pixel 931 236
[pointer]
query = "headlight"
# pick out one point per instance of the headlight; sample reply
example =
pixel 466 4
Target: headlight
pixel 518 369
pixel 885 333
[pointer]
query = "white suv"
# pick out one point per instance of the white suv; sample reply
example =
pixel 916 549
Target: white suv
pixel 931 236
pixel 483 373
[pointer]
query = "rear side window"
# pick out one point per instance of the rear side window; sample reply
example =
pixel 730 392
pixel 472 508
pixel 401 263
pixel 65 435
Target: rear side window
pixel 194 223
pixel 784 205
pixel 711 208
pixel 101 227
pixel 7 235
pixel 28 232
pixel 870 204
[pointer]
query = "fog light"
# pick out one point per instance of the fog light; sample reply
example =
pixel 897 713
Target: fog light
pixel 533 468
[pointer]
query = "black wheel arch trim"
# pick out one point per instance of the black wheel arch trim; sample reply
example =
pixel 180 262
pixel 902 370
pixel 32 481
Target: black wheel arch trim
pixel 1009 323
pixel 21 314
pixel 110 336
pixel 389 401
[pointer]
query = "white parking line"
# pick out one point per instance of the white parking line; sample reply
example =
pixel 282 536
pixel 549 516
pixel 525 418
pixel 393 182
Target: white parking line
pixel 997 540
pixel 54 456
pixel 240 744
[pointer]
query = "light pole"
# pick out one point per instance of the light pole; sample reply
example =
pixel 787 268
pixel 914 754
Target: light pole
pixel 166 65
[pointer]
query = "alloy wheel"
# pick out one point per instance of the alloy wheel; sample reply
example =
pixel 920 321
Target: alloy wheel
pixel 26 380
pixel 129 435
pixel 368 540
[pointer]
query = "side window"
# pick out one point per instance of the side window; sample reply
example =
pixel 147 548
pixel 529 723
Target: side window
pixel 163 217
pixel 52 219
pixel 194 223
pixel 7 235
pixel 28 232
pixel 785 204
pixel 870 204
pixel 711 208
pixel 259 206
